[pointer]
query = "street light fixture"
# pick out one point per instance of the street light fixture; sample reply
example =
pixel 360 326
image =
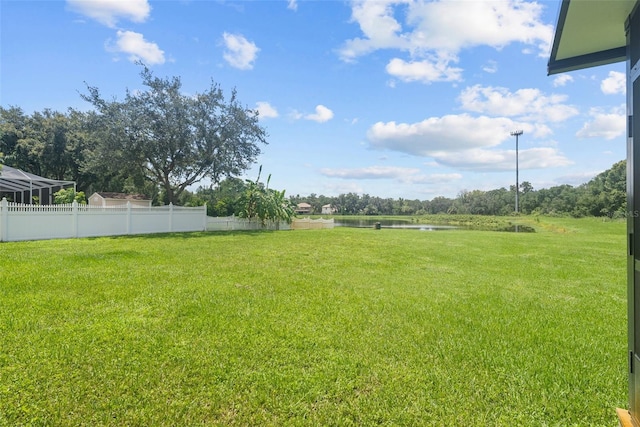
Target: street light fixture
pixel 517 133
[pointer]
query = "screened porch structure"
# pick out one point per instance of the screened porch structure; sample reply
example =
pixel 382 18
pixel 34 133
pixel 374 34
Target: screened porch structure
pixel 591 33
pixel 21 187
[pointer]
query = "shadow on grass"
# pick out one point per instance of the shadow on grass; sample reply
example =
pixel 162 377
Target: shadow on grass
pixel 189 234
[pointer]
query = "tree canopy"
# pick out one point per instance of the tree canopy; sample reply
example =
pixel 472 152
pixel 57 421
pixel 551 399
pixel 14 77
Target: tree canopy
pixel 173 139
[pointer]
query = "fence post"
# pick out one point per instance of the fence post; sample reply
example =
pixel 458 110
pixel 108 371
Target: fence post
pixel 4 219
pixel 170 217
pixel 128 216
pixel 204 228
pixel 74 218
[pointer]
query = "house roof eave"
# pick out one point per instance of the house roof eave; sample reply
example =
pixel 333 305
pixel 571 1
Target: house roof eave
pixel 589 33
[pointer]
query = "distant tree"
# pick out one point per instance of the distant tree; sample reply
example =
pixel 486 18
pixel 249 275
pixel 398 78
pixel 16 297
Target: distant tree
pixel 47 143
pixel 525 187
pixel 440 205
pixel 174 139
pixel 222 199
pixel 12 129
pixel 606 194
pixel 68 195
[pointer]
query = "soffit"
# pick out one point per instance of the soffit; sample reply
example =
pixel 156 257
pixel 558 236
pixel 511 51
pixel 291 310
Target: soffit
pixel 589 33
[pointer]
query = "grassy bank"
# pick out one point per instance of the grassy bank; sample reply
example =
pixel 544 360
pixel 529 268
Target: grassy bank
pixel 317 327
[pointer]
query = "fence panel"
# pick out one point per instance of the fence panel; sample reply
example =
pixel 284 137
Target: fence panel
pixel 37 225
pixel 36 222
pixel 183 219
pixel 228 223
pixel 98 222
pixel 312 224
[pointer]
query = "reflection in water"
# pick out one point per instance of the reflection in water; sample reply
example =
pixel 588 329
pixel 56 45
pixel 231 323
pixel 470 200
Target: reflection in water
pixel 382 223
pixel 408 224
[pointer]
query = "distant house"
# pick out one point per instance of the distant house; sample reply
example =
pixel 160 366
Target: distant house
pixel 303 208
pixel 328 210
pixel 119 199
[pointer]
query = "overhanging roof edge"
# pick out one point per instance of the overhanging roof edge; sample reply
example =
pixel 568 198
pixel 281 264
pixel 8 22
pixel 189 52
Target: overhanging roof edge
pixel 562 16
pixel 589 34
pixel 586 61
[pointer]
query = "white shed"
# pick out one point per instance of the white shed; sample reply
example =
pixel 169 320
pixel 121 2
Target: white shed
pixel 119 199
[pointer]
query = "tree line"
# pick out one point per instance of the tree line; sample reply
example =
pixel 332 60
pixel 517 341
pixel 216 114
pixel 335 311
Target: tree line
pixel 604 195
pixel 160 142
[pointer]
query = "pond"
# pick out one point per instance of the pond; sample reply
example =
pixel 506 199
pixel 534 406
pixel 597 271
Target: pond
pixel 388 223
pixel 409 224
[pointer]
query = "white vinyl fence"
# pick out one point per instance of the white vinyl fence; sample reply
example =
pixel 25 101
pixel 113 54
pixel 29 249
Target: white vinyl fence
pixel 36 222
pixel 39 222
pixel 235 223
pixel 225 223
pixel 311 224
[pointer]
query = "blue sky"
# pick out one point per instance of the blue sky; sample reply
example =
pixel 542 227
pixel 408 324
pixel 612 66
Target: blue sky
pixel 402 99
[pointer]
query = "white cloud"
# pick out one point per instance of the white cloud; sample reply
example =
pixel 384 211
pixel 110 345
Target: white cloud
pixel 616 83
pixel 379 27
pixel 108 12
pixel 266 110
pixel 435 178
pixel 444 177
pixel 453 25
pixel 240 53
pixel 562 80
pixel 502 160
pixel 137 48
pixel 425 71
pixel 576 178
pixel 527 104
pixel 371 172
pixel 464 142
pixel 292 4
pixel 399 174
pixel 322 114
pixel 441 29
pixel 607 125
pixel 449 133
pixel 490 67
pixel 343 187
pixel 295 115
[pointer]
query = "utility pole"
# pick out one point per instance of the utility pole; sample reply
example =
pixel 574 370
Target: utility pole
pixel 517 133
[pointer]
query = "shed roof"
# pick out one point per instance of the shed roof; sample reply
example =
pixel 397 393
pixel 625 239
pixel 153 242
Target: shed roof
pixel 589 33
pixel 15 180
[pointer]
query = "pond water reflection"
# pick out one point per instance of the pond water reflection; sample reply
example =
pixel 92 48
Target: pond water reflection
pixel 386 223
pixel 409 224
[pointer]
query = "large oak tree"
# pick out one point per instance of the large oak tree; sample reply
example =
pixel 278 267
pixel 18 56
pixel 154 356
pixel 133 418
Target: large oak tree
pixel 175 139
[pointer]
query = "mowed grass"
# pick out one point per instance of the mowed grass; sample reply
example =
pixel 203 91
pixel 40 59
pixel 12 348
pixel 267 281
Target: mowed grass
pixel 320 327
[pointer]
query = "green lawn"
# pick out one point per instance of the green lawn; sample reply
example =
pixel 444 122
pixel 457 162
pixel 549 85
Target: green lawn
pixel 318 327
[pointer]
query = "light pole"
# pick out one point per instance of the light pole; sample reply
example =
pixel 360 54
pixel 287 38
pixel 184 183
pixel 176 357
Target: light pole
pixel 517 133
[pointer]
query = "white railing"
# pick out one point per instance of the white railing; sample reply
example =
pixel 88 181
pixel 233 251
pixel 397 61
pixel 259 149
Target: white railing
pixel 36 222
pixel 227 223
pixel 311 224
